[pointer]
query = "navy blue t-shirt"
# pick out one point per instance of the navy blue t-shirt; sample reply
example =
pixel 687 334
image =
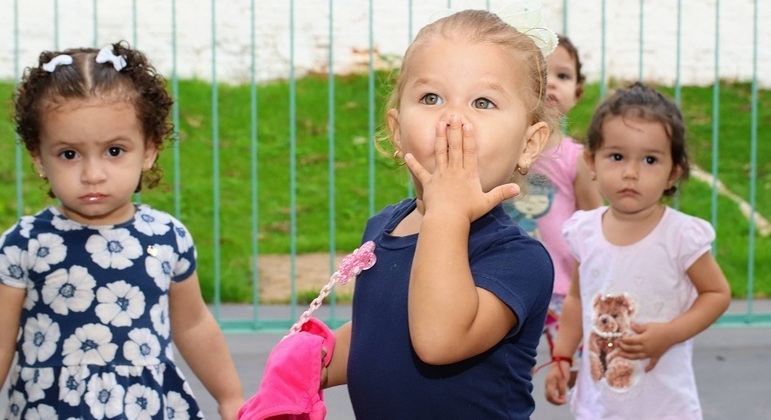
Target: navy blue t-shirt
pixel 387 380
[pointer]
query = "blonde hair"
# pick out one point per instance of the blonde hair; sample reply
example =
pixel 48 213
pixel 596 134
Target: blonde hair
pixel 482 27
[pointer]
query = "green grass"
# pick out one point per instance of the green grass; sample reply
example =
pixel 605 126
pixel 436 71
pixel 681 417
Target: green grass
pixel 351 172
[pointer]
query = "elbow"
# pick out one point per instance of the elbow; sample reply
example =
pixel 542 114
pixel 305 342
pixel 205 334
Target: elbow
pixel 433 352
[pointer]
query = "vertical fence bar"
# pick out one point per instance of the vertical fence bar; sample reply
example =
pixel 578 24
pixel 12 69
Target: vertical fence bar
pixel 56 24
pixel 603 81
pixel 678 49
pixel 371 101
pixel 175 113
pixel 331 148
pixel 94 8
pixel 753 164
pixel 565 17
pixel 292 165
pixel 254 168
pixel 642 38
pixel 215 162
pixel 134 34
pixel 678 88
pixel 715 119
pixel 18 155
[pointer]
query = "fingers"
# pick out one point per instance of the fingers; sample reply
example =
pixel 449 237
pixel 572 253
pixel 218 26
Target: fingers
pixel 441 144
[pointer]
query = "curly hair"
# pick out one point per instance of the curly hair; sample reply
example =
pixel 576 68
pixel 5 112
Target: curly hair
pixel 648 104
pixel 138 82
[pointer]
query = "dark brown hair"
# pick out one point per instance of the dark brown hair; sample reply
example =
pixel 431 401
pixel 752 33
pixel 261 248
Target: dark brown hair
pixel 41 90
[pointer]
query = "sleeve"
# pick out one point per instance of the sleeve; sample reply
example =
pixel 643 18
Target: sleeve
pixel 187 254
pixel 697 236
pixel 14 258
pixel 570 231
pixel 519 272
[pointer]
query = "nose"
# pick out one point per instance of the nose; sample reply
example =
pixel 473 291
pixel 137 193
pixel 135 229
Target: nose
pixel 93 172
pixel 631 171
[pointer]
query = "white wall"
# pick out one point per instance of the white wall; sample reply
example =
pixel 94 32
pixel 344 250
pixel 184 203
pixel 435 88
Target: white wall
pixel 391 33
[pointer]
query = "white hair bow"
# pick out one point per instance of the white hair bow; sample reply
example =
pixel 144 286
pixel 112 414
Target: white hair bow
pixel 527 17
pixel 62 59
pixel 106 55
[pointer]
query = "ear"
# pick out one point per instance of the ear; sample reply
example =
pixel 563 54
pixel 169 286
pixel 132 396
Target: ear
pixel 589 160
pixel 677 172
pixel 536 138
pixel 579 92
pixel 38 164
pixel 393 127
pixel 151 154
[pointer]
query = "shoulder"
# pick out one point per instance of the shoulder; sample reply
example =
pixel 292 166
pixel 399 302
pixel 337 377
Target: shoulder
pixel 687 228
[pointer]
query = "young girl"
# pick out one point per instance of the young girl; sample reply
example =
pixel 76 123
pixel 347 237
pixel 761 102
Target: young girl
pixel 559 182
pixel 646 280
pixel 94 288
pixel 447 321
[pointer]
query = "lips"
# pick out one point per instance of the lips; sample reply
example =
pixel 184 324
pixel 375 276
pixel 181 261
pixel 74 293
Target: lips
pixel 92 198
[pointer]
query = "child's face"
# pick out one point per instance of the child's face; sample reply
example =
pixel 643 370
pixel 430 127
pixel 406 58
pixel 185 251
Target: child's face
pixel 562 88
pixel 474 81
pixel 634 164
pixel 93 153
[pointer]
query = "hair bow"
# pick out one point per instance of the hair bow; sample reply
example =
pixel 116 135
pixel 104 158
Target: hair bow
pixel 106 55
pixel 524 16
pixel 528 18
pixel 62 59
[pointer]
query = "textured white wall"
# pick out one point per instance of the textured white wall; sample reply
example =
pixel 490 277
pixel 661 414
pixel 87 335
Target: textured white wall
pixel 391 32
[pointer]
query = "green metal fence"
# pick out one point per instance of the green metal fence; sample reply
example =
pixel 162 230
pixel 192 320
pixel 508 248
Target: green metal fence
pixel 141 20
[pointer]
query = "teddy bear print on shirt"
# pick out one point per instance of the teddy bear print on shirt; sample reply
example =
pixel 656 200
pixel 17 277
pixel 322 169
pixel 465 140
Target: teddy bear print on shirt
pixel 611 321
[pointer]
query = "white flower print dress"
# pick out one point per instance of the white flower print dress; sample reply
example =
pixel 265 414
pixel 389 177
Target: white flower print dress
pixel 95 337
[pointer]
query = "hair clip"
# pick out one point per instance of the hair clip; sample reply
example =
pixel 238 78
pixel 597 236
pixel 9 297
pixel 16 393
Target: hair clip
pixel 61 59
pixel 106 55
pixel 528 18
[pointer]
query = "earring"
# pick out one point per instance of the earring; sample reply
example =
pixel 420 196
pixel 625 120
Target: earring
pixel 398 158
pixel 42 176
pixel 521 171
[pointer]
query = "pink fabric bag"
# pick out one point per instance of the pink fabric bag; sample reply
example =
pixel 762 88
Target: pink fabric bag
pixel 290 385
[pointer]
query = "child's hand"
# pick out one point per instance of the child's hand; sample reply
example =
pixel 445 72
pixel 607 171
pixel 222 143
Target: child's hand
pixel 651 341
pixel 324 370
pixel 228 410
pixel 557 383
pixel 455 187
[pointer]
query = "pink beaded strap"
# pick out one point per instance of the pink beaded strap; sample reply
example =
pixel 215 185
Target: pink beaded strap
pixel 362 258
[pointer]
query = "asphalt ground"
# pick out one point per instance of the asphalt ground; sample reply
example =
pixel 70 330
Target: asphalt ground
pixel 732 363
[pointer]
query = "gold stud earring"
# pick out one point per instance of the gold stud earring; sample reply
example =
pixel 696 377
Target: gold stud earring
pixel 523 171
pixel 42 176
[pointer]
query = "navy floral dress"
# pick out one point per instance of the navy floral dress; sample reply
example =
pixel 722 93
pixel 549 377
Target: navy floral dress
pixel 94 338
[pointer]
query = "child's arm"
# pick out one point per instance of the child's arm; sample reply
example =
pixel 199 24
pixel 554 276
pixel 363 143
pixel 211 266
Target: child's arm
pixel 654 339
pixel 450 319
pixel 569 335
pixel 202 344
pixel 11 300
pixel 337 371
pixel 587 193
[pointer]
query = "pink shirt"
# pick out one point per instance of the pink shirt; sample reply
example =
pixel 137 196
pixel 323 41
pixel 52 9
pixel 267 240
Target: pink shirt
pixel 553 177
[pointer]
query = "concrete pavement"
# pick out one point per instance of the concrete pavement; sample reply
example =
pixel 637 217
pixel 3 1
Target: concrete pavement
pixel 732 364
